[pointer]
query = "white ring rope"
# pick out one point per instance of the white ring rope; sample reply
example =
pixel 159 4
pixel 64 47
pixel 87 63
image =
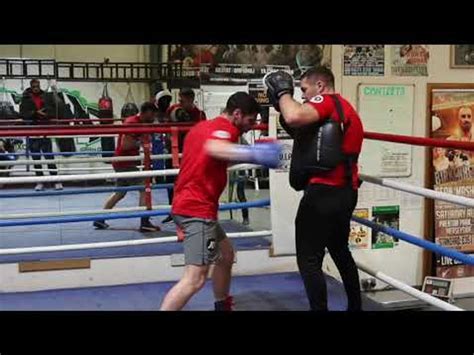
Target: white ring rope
pixel 105 176
pixel 58 170
pixel 122 243
pixel 420 191
pixel 82 160
pixel 408 289
pixel 80 212
pixel 87 177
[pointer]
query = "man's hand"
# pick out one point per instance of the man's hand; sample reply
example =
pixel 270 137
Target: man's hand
pixel 41 113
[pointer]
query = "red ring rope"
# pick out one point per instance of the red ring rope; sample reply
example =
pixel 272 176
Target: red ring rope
pixel 422 141
pixel 117 129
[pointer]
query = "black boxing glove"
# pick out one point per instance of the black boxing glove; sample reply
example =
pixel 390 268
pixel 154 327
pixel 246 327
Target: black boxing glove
pixel 179 114
pixel 278 83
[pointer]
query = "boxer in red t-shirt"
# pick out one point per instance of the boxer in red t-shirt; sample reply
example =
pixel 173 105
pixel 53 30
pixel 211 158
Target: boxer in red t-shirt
pixel 129 145
pixel 324 213
pixel 209 146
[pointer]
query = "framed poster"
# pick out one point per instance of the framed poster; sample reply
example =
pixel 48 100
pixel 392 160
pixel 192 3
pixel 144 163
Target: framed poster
pixel 364 60
pixel 386 109
pixel 410 60
pixel 234 64
pixel 450 113
pixel 462 56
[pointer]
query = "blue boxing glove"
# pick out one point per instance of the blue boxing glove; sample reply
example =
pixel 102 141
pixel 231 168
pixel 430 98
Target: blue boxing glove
pixel 266 154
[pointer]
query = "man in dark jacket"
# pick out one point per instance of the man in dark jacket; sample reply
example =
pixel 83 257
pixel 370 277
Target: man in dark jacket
pixel 33 112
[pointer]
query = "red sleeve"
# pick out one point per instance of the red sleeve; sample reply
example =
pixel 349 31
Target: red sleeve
pixel 225 132
pixel 322 104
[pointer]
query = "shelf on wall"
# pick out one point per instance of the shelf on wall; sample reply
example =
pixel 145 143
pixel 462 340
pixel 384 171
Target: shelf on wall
pixel 90 71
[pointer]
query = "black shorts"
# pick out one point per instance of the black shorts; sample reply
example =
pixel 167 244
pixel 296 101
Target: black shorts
pixel 129 181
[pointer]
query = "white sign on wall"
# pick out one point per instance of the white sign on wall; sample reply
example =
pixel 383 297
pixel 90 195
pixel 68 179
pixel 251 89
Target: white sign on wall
pixel 386 109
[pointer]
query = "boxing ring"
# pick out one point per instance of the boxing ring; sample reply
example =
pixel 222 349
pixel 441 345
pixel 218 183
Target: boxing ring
pixel 149 265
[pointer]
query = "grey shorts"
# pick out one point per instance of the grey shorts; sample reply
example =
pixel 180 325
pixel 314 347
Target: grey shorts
pixel 201 239
pixel 129 181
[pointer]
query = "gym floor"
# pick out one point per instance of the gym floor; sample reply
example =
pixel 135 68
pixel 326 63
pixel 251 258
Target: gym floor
pixel 257 292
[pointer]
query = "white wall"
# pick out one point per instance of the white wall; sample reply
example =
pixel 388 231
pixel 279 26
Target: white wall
pixel 78 53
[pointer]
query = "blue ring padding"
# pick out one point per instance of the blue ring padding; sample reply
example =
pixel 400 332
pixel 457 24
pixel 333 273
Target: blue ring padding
pixel 438 249
pixel 83 191
pixel 107 216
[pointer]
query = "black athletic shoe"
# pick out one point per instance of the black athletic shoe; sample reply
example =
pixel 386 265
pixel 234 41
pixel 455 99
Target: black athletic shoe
pixel 246 222
pixel 167 219
pixel 100 225
pixel 148 227
pixel 226 305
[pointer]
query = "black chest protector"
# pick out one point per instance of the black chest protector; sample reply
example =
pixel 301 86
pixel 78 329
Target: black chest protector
pixel 316 148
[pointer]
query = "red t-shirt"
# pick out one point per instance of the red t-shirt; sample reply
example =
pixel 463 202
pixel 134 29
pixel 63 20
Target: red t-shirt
pixel 120 152
pixel 196 114
pixel 38 101
pixel 202 178
pixel 352 143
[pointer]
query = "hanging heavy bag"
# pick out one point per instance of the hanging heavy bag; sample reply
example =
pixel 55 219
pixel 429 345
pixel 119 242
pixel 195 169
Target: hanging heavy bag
pixel 7 110
pixel 106 111
pixel 129 108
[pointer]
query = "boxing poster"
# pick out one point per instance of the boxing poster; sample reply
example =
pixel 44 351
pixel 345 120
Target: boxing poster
pixel 364 60
pixel 462 56
pixel 451 119
pixel 237 63
pixel 360 235
pixel 388 216
pixel 410 60
pixel 257 90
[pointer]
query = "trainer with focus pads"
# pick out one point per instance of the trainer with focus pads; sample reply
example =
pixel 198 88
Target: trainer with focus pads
pixel 208 149
pixel 328 135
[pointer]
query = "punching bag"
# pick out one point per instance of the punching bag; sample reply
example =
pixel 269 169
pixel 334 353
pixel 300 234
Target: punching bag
pixel 129 108
pixel 106 111
pixel 56 109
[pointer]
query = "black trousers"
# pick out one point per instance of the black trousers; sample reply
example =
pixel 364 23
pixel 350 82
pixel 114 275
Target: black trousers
pixel 42 145
pixel 241 195
pixel 323 221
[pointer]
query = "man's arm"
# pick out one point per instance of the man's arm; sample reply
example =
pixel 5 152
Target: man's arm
pixel 130 142
pixel 296 114
pixel 280 90
pixel 27 109
pixel 222 150
pixel 263 153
